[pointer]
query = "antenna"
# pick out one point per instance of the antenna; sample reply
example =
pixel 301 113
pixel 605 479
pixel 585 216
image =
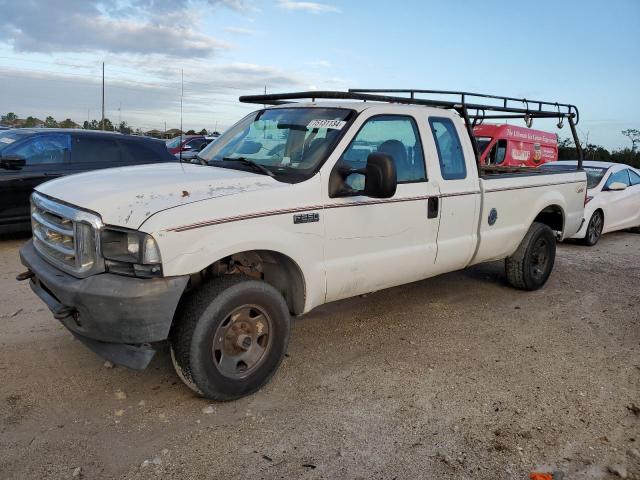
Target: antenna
pixel 102 124
pixel 181 97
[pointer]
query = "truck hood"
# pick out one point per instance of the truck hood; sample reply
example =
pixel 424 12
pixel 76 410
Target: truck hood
pixel 127 196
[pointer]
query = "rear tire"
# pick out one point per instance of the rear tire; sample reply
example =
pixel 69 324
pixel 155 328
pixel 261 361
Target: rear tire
pixel 230 337
pixel 594 229
pixel 531 264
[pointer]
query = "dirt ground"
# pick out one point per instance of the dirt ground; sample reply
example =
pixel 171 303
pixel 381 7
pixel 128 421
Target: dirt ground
pixel 458 376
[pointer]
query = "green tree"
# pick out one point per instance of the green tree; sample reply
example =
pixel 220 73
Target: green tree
pixel 49 122
pixel 108 126
pixel 203 131
pixel 67 123
pixel 30 121
pixel 190 132
pixel 634 136
pixel 124 128
pixel 9 119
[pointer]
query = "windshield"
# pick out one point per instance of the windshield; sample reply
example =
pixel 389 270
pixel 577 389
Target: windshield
pixel 7 137
pixel 290 142
pixel 173 143
pixel 594 174
pixel 482 143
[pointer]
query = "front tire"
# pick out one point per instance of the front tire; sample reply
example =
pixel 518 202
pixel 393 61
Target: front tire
pixel 230 337
pixel 531 264
pixel 594 229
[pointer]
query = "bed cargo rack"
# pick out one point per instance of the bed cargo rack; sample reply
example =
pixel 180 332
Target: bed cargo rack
pixel 462 102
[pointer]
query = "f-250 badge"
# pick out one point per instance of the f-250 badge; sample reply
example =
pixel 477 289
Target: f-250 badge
pixel 306 218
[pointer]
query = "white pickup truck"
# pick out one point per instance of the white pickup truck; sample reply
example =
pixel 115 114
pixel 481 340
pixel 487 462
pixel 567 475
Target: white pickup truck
pixel 296 205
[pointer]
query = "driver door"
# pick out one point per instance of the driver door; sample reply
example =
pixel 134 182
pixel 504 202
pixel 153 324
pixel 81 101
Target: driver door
pixel 373 243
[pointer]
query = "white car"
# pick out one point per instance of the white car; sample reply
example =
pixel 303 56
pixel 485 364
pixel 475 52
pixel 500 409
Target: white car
pixel 613 198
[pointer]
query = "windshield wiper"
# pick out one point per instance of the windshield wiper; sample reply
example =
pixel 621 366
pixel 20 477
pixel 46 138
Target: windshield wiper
pixel 250 163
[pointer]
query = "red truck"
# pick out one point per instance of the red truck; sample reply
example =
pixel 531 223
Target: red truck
pixel 511 146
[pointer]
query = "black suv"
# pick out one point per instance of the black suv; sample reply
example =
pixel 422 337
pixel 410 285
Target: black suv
pixel 29 157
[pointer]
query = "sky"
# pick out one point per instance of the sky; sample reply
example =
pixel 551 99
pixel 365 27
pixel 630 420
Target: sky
pixel 582 52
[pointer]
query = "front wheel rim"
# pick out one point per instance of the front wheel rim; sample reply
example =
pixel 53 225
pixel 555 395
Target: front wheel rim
pixel 242 341
pixel 595 227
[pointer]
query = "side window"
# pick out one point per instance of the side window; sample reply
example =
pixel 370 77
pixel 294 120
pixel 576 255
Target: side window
pixel 138 152
pixel 394 135
pixel 196 143
pixel 622 176
pixel 452 164
pixel 87 149
pixel 498 152
pixel 45 149
pixel 635 178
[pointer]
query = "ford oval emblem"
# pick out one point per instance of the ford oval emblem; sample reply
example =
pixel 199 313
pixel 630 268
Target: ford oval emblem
pixel 493 216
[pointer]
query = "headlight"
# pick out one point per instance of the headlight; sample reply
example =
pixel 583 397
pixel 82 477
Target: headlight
pixel 129 252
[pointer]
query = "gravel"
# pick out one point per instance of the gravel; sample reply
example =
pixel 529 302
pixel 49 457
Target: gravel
pixel 454 377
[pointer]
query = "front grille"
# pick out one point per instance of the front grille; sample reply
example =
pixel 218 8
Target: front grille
pixel 65 236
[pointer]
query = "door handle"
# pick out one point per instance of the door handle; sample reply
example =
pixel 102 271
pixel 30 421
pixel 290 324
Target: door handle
pixel 433 206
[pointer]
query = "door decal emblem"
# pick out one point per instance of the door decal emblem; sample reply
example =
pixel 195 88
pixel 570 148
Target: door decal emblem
pixel 493 216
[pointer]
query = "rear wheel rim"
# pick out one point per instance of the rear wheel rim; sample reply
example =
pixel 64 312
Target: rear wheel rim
pixel 242 341
pixel 540 257
pixel 595 228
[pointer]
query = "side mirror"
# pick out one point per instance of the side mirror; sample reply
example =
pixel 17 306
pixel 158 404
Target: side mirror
pixel 617 186
pixel 380 178
pixel 12 162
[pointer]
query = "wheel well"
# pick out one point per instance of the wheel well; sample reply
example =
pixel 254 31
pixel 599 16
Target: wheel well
pixel 553 217
pixel 275 268
pixel 601 213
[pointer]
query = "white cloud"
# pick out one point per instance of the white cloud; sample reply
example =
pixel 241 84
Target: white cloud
pixel 239 30
pixel 143 27
pixel 310 7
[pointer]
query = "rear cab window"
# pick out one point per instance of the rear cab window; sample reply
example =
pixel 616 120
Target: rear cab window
pixel 139 152
pixel 90 149
pixel 450 154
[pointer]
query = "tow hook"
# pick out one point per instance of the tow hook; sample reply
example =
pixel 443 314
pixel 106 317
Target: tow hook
pixel 25 276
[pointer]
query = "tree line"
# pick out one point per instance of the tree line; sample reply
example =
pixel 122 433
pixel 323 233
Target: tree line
pixel 566 147
pixel 12 120
pixel 628 156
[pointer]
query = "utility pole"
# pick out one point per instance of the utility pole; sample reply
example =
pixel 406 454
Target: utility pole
pixel 181 96
pixel 165 129
pixel 102 123
pixel 120 113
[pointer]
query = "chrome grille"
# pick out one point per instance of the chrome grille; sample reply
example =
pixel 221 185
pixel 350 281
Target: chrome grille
pixel 65 236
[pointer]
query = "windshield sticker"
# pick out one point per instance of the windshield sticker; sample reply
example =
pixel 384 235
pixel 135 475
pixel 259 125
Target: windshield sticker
pixel 6 140
pixel 332 124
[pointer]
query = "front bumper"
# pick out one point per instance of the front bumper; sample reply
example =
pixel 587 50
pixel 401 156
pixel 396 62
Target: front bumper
pixel 114 315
